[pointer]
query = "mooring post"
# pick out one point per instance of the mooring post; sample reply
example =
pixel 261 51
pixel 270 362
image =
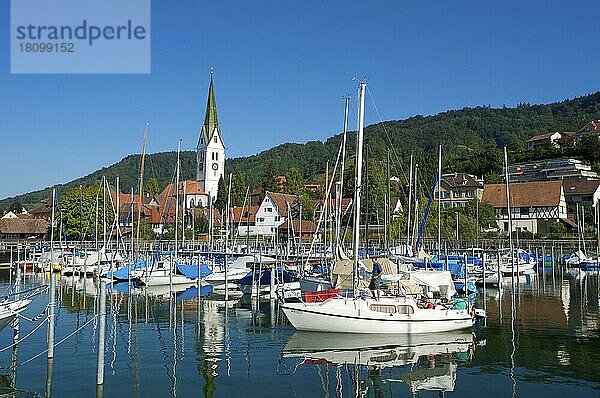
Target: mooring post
pixel 483 265
pixel 101 332
pixel 51 305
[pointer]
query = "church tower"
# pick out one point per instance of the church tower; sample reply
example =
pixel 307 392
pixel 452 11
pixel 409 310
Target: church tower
pixel 210 152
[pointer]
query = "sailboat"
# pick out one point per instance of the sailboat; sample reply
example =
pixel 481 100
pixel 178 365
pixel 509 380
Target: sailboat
pixel 9 309
pixel 388 315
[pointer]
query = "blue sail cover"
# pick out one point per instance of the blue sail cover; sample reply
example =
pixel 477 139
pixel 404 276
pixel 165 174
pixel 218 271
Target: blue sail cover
pixel 123 272
pixel 191 270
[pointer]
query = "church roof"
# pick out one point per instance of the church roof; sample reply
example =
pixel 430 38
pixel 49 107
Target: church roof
pixel 211 119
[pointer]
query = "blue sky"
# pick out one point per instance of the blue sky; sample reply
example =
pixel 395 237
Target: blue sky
pixel 281 69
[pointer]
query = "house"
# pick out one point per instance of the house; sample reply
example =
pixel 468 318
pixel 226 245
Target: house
pixel 273 211
pixel 44 211
pixel 244 220
pixel 15 228
pixel 312 187
pixel 591 127
pixel 544 140
pixel 457 189
pixel 534 205
pixel 580 193
pixel 331 205
pixel 551 170
pixel 303 229
pixel 190 194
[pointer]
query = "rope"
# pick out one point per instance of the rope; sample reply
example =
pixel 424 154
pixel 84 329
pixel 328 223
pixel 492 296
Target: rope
pixel 24 338
pixel 55 345
pixel 37 317
pixel 36 290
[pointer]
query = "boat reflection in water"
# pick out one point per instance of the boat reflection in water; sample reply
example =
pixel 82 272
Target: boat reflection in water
pixel 421 361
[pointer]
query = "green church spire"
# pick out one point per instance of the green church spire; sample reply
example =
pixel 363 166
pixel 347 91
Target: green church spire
pixel 211 120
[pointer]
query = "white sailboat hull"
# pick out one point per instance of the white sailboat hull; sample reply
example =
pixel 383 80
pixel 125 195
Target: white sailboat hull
pixel 9 310
pixel 217 279
pixel 161 280
pixel 290 289
pixel 341 315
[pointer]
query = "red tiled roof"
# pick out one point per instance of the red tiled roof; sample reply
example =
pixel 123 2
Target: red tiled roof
pixel 192 187
pixel 280 200
pixel 23 226
pixel 332 203
pixel 240 213
pixel 580 187
pixel 307 227
pixel 542 137
pixel 458 180
pixel 524 194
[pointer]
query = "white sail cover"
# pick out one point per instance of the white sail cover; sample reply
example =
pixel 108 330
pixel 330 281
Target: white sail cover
pixel 435 281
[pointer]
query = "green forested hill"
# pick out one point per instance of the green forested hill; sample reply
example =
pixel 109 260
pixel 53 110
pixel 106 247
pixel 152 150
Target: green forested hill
pixel 467 135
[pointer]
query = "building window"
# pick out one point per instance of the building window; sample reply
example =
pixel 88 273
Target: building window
pixel 216 155
pixel 215 173
pixel 216 139
pixel 268 209
pixel 445 194
pixel 470 193
pixel 201 157
pixel 212 155
pixel 524 211
pixel 458 194
pixel 277 218
pixel 261 219
pixel 504 211
pixel 192 202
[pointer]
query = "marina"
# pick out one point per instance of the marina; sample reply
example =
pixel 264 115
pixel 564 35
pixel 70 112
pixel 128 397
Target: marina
pixel 540 337
pixel 309 199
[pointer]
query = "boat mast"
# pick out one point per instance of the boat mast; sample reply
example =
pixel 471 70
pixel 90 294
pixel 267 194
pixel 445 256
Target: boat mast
pixel 174 265
pixel 341 195
pixel 358 185
pixel 140 189
pixel 410 181
pixel 177 197
pixel 510 242
pixel 439 192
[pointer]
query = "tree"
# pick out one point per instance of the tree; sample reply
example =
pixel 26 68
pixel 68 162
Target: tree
pixel 146 232
pixel 78 208
pixel 269 180
pixel 201 224
pixel 482 211
pixel 305 205
pixel 221 200
pixel 152 187
pixel 238 187
pixel 294 182
pixel 16 207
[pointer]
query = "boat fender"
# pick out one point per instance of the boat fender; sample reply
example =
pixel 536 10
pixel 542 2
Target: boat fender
pixel 479 313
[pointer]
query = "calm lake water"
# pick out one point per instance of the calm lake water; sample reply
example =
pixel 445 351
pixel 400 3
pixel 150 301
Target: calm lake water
pixel 543 339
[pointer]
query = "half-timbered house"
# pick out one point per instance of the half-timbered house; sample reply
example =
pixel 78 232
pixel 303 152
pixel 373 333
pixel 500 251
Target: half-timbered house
pixel 534 205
